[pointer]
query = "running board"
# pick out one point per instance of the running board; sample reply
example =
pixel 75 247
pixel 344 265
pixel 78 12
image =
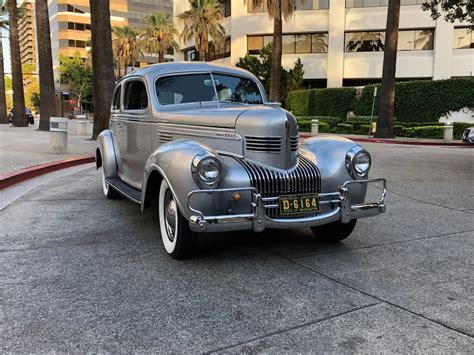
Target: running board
pixel 125 190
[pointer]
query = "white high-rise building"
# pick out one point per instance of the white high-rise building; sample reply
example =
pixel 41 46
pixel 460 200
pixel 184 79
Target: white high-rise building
pixel 340 42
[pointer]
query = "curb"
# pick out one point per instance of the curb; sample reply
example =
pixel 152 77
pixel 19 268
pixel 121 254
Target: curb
pixel 14 177
pixel 394 141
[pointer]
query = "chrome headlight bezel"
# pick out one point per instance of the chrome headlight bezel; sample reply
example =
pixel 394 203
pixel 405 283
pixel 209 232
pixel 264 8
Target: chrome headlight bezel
pixel 201 161
pixel 353 159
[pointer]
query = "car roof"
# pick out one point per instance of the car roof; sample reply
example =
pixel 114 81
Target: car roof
pixel 186 67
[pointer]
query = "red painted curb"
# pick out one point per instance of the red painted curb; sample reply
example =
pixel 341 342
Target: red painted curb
pixel 394 141
pixel 17 176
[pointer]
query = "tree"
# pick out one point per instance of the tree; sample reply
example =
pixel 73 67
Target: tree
pixel 159 34
pixel 462 10
pixel 387 88
pixel 19 117
pixel 76 72
pixel 102 64
pixel 126 46
pixel 277 10
pixel 201 23
pixel 30 82
pixel 261 67
pixel 3 100
pixel 45 65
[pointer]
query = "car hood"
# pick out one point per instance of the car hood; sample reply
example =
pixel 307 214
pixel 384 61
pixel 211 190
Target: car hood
pixel 224 115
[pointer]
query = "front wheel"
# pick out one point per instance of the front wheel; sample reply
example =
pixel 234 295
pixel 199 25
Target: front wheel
pixel 178 240
pixel 109 191
pixel 334 232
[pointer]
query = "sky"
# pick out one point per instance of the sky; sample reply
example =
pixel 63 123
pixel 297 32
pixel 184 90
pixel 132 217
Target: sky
pixel 6 50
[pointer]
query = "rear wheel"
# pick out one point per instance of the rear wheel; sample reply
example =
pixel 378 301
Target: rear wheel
pixel 178 240
pixel 109 191
pixel 334 232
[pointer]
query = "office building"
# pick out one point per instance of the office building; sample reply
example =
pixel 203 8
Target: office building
pixel 27 32
pixel 340 42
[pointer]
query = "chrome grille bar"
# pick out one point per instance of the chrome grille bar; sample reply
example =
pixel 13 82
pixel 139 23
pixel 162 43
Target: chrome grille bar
pixel 302 179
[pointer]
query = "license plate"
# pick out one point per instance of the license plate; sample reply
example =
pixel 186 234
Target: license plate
pixel 292 204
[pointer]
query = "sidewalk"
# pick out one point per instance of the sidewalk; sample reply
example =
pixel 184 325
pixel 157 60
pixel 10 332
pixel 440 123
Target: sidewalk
pixel 21 147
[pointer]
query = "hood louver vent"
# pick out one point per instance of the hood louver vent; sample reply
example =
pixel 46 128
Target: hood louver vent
pixel 294 143
pixel 263 144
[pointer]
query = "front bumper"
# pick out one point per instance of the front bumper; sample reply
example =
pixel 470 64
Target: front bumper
pixel 344 211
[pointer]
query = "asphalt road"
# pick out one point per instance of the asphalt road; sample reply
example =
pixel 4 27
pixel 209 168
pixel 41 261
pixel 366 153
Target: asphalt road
pixel 82 273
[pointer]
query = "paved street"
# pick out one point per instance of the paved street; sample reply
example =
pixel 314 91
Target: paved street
pixel 83 273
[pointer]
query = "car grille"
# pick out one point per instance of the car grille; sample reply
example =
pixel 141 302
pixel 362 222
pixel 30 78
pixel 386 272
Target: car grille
pixel 263 144
pixel 302 179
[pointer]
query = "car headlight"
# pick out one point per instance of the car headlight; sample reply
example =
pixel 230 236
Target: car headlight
pixel 358 162
pixel 206 170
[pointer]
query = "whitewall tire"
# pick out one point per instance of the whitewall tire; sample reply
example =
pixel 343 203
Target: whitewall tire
pixel 108 191
pixel 178 240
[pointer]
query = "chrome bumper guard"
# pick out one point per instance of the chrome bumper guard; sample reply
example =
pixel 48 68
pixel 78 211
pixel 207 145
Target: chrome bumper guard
pixel 257 220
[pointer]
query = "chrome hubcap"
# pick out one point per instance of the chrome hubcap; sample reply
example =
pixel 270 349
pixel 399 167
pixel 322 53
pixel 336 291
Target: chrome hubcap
pixel 170 215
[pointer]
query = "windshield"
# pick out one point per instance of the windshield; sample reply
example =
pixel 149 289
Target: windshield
pixel 183 89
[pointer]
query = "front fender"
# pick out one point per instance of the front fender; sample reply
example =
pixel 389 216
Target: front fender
pixel 108 159
pixel 173 160
pixel 329 154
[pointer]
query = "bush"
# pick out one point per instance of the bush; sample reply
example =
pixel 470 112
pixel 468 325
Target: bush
pixel 344 128
pixel 435 132
pixel 305 126
pixel 334 102
pixel 297 102
pixel 422 101
pixel 459 128
pixel 362 129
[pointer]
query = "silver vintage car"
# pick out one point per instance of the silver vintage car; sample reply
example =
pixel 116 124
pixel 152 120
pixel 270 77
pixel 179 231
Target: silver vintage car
pixel 203 142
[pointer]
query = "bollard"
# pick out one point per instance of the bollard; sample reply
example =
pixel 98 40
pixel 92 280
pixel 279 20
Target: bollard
pixel 58 135
pixel 314 127
pixel 448 132
pixel 81 128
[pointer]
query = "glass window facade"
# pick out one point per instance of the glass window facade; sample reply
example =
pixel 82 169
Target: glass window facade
pixel 219 52
pixel 463 37
pixel 300 5
pixel 292 43
pixel 379 3
pixel 373 41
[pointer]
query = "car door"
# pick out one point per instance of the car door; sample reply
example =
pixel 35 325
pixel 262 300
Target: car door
pixel 115 124
pixel 135 135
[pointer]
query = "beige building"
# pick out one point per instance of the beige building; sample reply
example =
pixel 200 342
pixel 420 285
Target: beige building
pixel 340 42
pixel 27 33
pixel 70 21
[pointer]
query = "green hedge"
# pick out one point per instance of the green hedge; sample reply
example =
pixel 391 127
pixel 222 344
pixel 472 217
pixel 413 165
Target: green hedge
pixel 435 132
pixel 459 128
pixel 334 102
pixel 305 126
pixel 422 101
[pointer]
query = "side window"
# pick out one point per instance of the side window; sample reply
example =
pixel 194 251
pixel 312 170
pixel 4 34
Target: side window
pixel 116 99
pixel 135 96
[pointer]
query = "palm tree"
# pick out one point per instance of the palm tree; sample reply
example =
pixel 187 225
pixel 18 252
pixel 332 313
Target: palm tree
pixel 102 64
pixel 159 35
pixel 45 65
pixel 387 89
pixel 3 101
pixel 126 46
pixel 201 23
pixel 19 117
pixel 277 10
